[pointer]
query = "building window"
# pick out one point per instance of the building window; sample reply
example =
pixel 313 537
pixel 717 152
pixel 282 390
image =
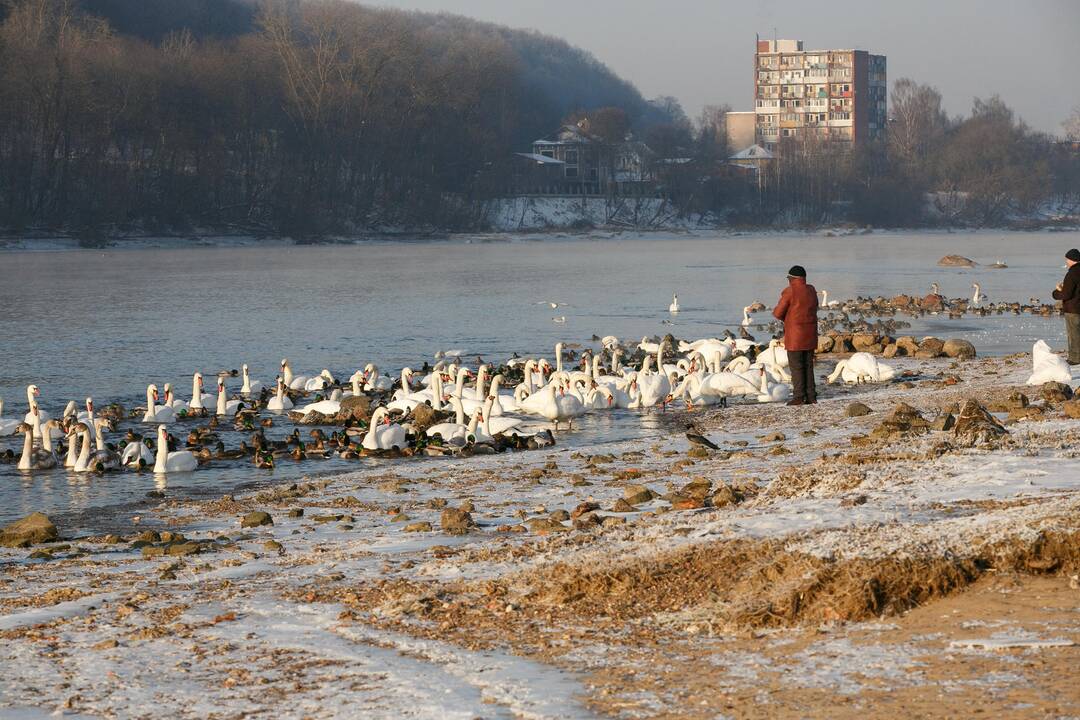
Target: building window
pixel 548 153
pixel 571 157
pixel 571 172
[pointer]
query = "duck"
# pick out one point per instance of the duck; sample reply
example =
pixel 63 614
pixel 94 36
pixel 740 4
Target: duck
pixel 224 405
pixel 8 426
pixel 250 387
pixel 154 413
pixel 382 434
pixel 673 308
pixel 280 402
pixel 177 461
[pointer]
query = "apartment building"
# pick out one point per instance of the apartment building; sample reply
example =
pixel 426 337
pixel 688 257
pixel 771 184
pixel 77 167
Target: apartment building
pixel 828 95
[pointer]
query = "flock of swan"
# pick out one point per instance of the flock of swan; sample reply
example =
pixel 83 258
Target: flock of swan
pixel 479 409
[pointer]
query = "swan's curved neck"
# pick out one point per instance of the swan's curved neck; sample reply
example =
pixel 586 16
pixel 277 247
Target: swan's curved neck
pixel 84 449
pixel 162 453
pixel 459 414
pixel 436 391
pixel 286 373
pixel 28 449
pixel 481 381
pixel 220 399
pixel 99 436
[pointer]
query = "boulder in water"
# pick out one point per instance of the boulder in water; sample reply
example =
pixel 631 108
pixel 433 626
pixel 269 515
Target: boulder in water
pixel 34 528
pixel 956 261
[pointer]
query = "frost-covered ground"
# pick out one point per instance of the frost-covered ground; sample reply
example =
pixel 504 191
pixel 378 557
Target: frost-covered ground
pixel 341 612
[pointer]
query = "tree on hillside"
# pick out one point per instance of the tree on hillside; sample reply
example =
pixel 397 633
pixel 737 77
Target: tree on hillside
pixel 917 122
pixel 1072 125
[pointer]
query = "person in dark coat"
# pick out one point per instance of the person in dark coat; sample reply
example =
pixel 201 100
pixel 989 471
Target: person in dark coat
pixel 797 309
pixel 1068 292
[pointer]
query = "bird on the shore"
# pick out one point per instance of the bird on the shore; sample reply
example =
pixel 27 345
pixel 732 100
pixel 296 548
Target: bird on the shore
pixel 698 440
pixel 673 308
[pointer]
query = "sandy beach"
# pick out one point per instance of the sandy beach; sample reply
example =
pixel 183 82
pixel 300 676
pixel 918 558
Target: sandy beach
pixel 821 562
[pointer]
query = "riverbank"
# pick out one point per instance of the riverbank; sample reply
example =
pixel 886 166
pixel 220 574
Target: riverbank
pixel 821 562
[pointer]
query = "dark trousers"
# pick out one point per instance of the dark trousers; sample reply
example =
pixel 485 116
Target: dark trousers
pixel 1072 330
pixel 801 364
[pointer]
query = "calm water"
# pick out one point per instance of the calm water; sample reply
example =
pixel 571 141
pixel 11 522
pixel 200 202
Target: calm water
pixel 106 323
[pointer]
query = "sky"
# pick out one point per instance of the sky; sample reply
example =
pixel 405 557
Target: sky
pixel 700 51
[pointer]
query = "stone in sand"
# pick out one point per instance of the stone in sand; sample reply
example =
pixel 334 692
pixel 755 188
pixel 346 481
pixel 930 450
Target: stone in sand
pixel 256 518
pixel 1056 392
pixel 622 506
pixel 544 526
pixel 976 426
pixel 930 347
pixel 956 261
pixel 455 522
pixel 638 494
pixel 423 417
pixel 960 349
pixel 422 526
pixel 34 528
pixel 354 407
pixel 857 409
pixel 724 496
pixel 1072 409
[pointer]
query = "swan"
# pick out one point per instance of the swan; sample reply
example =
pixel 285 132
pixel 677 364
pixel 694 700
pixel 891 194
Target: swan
pixel 102 458
pixel 319 382
pixel 773 392
pixel 178 405
pixel 978 297
pixel 198 397
pixel 155 414
pixel 136 454
pixel 224 405
pixel 82 462
pixel 172 462
pixel 382 434
pixel 493 426
pixel 331 406
pixel 406 384
pixel 568 406
pixel 653 386
pixel 673 308
pixel 250 386
pixel 502 402
pixel 1047 366
pixel 648 347
pixel 825 300
pixel 7 427
pixel 862 367
pixel 774 355
pixel 374 382
pixel 33 459
pixel 458 428
pixel 477 393
pixel 280 402
pixel 292 382
pixel 746 319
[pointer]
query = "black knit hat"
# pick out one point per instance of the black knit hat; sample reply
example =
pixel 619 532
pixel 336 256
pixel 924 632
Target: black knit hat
pixel 1073 255
pixel 800 271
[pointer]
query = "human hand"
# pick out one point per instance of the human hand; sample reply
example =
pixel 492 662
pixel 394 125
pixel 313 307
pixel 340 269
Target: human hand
pixel 1059 287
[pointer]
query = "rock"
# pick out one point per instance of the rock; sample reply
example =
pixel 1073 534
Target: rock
pixel 612 521
pixel 956 261
pixel 638 494
pixel 857 409
pixel 932 303
pixel 312 417
pixel 400 517
pixel 930 347
pixel 853 501
pixel 1024 413
pixel 699 487
pixel 943 422
pixel 862 342
pixel 976 426
pixel 256 518
pixel 773 437
pixel 697 452
pixel 1072 409
pixel 467 506
pixel 545 526
pixel 354 407
pixel 824 343
pixel 153 551
pixel 296 513
pixel 437 503
pixel 182 549
pixel 40 554
pixel 1018 400
pixel 34 528
pixel 455 522
pixel 560 516
pixel 903 421
pixel 956 348
pixel 423 417
pixel 417 527
pixel 902 301
pixel 274 546
pixel 907 345
pixel 588 521
pixel 891 351
pixel 724 496
pixel 327 518
pixel 582 508
pixel 622 506
pixel 1053 392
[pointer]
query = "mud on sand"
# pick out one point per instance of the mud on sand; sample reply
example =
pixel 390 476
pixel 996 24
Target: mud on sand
pixel 817 565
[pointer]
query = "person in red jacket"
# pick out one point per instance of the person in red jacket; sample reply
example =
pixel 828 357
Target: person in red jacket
pixel 797 309
pixel 1068 292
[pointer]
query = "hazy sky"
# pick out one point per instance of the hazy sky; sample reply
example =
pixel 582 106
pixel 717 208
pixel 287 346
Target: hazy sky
pixel 700 51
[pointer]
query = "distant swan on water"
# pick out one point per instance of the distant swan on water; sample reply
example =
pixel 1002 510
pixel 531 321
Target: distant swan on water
pixel 673 308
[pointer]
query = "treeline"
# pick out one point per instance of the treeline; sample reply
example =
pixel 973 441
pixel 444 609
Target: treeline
pixel 295 117
pixel 986 169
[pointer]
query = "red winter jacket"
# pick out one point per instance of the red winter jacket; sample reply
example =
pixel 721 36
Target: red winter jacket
pixel 797 309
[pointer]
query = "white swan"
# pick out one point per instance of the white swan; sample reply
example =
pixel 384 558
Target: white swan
pixel 199 399
pixel 250 386
pixel 224 405
pixel 456 428
pixel 280 402
pixel 178 405
pixel 319 382
pixel 9 426
pixel 653 386
pixel 382 434
pixel 746 319
pixel 978 296
pixel 136 454
pixel 374 382
pixel 862 367
pixel 772 392
pixel 102 459
pixel 673 308
pixel 33 458
pixel 497 425
pixel 154 413
pixel 330 406
pixel 825 300
pixel 1047 366
pixel 172 462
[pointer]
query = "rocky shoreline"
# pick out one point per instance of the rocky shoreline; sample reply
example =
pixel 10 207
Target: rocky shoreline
pixel 637 578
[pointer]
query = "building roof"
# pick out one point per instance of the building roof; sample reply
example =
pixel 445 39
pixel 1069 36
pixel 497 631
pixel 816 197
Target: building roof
pixel 566 134
pixel 541 159
pixel 754 152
